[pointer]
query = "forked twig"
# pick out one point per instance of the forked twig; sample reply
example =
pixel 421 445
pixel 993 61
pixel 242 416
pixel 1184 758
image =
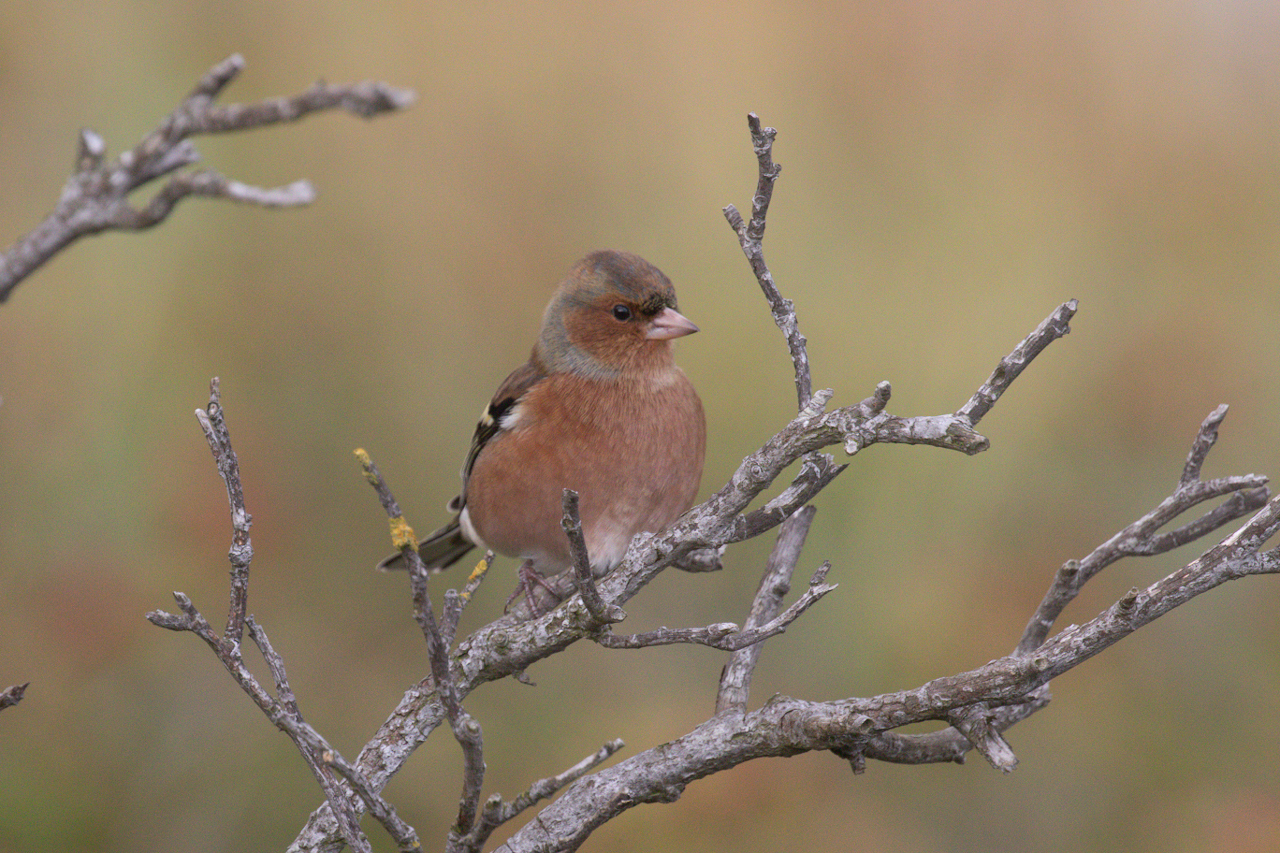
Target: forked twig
pixel 1246 494
pixel 775 583
pixel 282 708
pixel 466 730
pixel 95 197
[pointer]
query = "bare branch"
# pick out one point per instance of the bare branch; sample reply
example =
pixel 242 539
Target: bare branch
pixel 1011 688
pixel 817 470
pixel 716 636
pixel 275 665
pixel 241 554
pixel 437 651
pixel 403 834
pixel 466 730
pixel 282 709
pixel 571 522
pixel 321 757
pixel 720 520
pixel 308 742
pixel 455 601
pixel 751 238
pixel 1247 493
pixel 402 536
pixel 974 723
pixel 705 560
pixel 198 115
pixel 786 726
pixel 496 812
pixel 980 704
pixel 1205 439
pixel 209 184
pixel 726 636
pixel 95 197
pixel 946 746
pixel 775 583
pixel 1011 366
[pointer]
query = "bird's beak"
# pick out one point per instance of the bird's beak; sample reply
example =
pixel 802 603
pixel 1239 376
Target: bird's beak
pixel 669 323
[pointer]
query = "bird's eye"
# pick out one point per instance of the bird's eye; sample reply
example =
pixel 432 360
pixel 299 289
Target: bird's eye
pixel 621 313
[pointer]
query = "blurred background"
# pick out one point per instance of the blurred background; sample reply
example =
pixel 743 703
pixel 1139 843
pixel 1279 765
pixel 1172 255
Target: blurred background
pixel 951 173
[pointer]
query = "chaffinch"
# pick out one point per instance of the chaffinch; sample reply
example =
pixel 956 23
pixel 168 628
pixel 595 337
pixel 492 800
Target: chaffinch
pixel 601 408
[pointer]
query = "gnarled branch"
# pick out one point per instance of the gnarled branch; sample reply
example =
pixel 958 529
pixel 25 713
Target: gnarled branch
pixel 978 706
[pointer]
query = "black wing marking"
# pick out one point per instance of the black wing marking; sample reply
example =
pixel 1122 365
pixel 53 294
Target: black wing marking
pixel 510 392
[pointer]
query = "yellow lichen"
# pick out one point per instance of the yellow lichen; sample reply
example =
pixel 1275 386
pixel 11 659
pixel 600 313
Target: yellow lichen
pixel 402 535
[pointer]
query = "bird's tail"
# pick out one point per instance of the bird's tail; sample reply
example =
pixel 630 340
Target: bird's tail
pixel 438 551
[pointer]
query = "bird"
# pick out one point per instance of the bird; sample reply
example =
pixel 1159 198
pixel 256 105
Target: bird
pixel 601 408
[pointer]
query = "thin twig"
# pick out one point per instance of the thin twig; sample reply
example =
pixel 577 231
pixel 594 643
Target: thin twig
pixel 716 635
pixel 497 812
pixel 974 722
pixel 323 760
pixel 455 601
pixel 726 636
pixel 383 812
pixel 1011 366
pixel 817 470
pixel 282 710
pixel 207 183
pixel 437 651
pixel 216 433
pixel 775 583
pixel 402 536
pixel 571 523
pixel 466 730
pixel 751 239
pixel 1200 447
pixel 1247 494
pixel 275 665
pixel 948 745
pixel 303 736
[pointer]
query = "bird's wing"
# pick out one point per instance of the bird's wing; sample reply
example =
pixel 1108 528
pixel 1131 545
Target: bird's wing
pixel 491 421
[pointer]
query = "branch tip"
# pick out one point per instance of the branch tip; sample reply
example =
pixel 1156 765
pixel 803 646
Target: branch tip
pixel 13 694
pixel 1205 439
pixel 90 151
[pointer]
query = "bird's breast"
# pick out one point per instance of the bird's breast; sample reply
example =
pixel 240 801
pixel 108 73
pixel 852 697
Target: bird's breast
pixel 633 451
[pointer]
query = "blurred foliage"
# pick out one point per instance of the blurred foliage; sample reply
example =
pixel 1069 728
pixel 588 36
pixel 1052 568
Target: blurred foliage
pixel 952 172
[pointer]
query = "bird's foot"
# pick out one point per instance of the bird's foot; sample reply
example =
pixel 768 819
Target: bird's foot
pixel 529 579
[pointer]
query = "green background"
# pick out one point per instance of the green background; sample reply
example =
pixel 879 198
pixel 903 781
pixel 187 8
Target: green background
pixel 952 172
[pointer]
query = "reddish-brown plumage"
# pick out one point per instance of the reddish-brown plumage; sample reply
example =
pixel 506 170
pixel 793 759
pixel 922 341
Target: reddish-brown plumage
pixel 601 408
pixel 631 446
